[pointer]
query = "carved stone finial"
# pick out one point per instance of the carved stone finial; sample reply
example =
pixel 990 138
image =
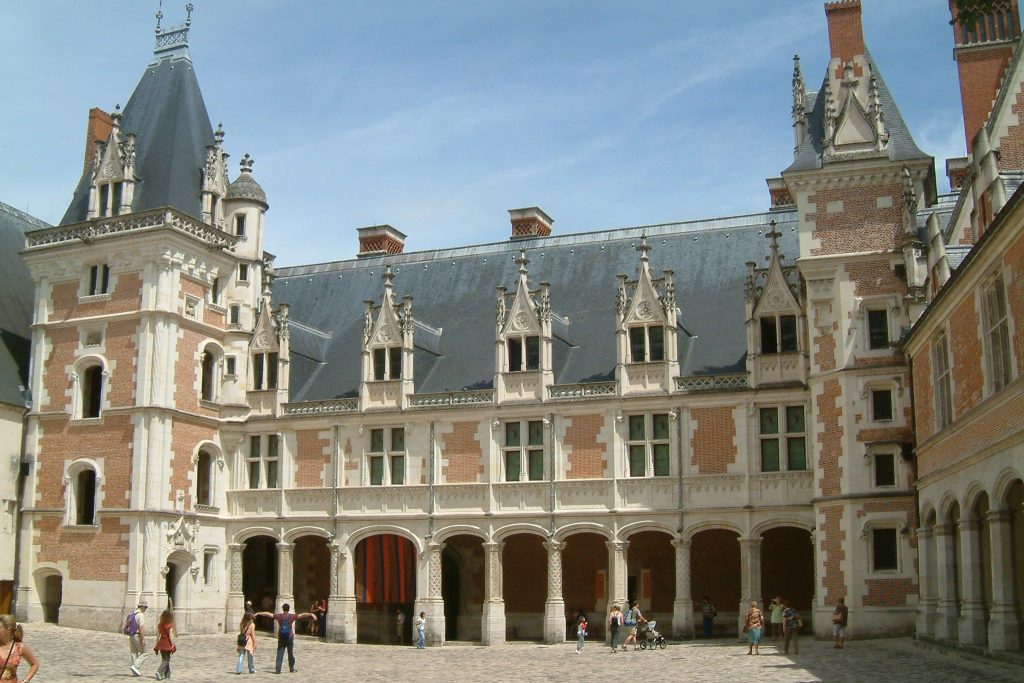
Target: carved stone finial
pixel 188 14
pixel 644 249
pixel 522 261
pixel 159 16
pixel 909 195
pixel 246 163
pixel 388 277
pixel 774 236
pixel 218 135
pixel 115 117
pixel 799 92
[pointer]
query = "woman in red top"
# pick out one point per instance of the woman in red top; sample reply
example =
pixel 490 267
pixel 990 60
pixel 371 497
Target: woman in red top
pixel 165 644
pixel 12 651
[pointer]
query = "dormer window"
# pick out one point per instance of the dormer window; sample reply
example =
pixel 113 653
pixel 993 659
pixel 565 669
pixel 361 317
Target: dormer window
pixel 264 371
pixel 110 198
pixel 778 334
pixel 523 353
pixel 646 343
pixel 387 363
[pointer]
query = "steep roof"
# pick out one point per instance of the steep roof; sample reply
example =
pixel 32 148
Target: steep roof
pixel 167 114
pixel 454 291
pixel 901 144
pixel 15 304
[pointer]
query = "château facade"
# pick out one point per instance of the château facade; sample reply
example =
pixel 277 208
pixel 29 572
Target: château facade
pixel 495 434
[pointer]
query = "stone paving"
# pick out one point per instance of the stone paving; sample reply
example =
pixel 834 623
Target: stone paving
pixel 74 655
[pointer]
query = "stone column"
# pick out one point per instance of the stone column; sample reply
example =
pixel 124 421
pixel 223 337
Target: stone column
pixel 554 606
pixel 926 584
pixel 945 581
pixel 750 576
pixel 618 574
pixel 433 605
pixel 236 598
pixel 492 628
pixel 972 600
pixel 1003 624
pixel 285 570
pixel 341 603
pixel 682 606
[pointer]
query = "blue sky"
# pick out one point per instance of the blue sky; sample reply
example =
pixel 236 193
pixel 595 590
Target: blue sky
pixel 437 117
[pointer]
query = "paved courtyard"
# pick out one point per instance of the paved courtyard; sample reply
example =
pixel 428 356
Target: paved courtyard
pixel 71 655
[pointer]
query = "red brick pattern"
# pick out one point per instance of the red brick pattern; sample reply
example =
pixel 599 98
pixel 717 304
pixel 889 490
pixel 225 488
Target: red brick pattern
pixel 924 395
pixel 463 454
pixel 966 349
pixel 187 370
pixel 968 434
pixel 713 444
pixel 871 278
pixel 980 73
pixel 1014 282
pixel 125 295
pixel 310 458
pixel 845 33
pixel 830 440
pixel 586 455
pixel 186 436
pixel 833 542
pixel 90 556
pixel 825 344
pixel 861 225
pixel 63 342
pixel 892 592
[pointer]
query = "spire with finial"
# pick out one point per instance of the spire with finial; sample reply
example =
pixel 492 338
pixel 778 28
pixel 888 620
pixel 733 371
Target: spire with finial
pixel 774 236
pixel 246 163
pixel 876 113
pixel 218 134
pixel 799 92
pixel 909 195
pixel 159 15
pixel 522 261
pixel 115 117
pixel 172 42
pixel 388 277
pixel 644 249
pixel 188 14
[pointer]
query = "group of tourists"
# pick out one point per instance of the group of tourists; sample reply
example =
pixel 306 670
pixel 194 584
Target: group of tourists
pixel 624 626
pixel 784 623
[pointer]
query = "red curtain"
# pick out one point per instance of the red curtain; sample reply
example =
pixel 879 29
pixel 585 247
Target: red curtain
pixel 386 568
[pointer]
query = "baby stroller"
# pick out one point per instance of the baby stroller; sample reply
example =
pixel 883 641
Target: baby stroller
pixel 650 639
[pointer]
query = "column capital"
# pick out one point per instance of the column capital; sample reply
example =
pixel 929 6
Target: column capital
pixel 998 516
pixel 236 547
pixel 554 546
pixel 681 543
pixel 617 546
pixel 285 547
pixel 750 541
pixel 968 524
pixel 492 546
pixel 944 530
pixel 924 531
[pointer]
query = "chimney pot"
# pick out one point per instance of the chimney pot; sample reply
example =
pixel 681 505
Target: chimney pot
pixel 529 222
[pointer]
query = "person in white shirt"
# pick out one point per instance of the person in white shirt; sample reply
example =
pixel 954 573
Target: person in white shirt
pixel 137 639
pixel 421 630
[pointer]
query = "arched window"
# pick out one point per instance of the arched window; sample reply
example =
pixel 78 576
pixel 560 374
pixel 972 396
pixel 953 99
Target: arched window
pixel 209 379
pixel 85 497
pixel 204 477
pixel 92 391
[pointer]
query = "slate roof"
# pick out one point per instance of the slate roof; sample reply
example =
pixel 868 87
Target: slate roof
pixel 15 303
pixel 168 116
pixel 901 144
pixel 454 290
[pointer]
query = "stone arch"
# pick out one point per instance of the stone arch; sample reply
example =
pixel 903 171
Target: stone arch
pixel 83 492
pixel 788 565
pixel 385 568
pixel 972 495
pixel 1004 482
pixel 205 472
pixel 49 580
pixel 298 532
pixel 776 523
pixel 947 504
pixel 253 531
pixel 710 525
pixel 501 534
pixel 90 385
pixel 176 571
pixel 646 525
pixel 715 570
pixel 565 532
pixel 443 534
pixel 211 358
pixel 651 570
pixel 365 532
pixel 928 514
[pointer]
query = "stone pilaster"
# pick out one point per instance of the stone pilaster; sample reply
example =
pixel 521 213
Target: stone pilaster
pixel 285 583
pixel 926 583
pixel 554 606
pixel 682 606
pixel 945 581
pixel 618 571
pixel 236 598
pixel 1003 624
pixel 492 627
pixel 972 626
pixel 433 605
pixel 341 603
pixel 750 575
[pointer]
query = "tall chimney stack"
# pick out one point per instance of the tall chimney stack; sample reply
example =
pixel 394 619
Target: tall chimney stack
pixel 529 222
pixel 982 53
pixel 380 240
pixel 845 32
pixel 97 132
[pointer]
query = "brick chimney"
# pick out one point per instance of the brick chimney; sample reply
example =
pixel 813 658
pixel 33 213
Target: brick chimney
pixel 380 240
pixel 97 132
pixel 845 33
pixel 529 222
pixel 982 54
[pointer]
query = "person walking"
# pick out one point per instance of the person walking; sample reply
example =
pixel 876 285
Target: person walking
pixel 753 624
pixel 165 646
pixel 839 619
pixel 791 625
pixel 13 650
pixel 581 631
pixel 286 634
pixel 708 612
pixel 614 622
pixel 421 630
pixel 400 625
pixel 632 623
pixel 775 610
pixel 246 643
pixel 135 629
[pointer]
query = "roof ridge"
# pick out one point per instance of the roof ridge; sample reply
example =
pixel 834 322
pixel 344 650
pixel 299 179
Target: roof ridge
pixel 18 213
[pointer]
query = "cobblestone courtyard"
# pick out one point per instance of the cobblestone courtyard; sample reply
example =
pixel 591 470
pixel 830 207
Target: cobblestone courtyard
pixel 71 654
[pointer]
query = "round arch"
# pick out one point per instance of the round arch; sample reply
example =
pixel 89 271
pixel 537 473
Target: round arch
pixel 793 522
pixel 499 535
pixel 253 531
pixel 569 530
pixel 1004 482
pixel 365 532
pixel 972 494
pixel 710 525
pixel 443 534
pixel 49 585
pixel 645 525
pixel 946 505
pixel 298 532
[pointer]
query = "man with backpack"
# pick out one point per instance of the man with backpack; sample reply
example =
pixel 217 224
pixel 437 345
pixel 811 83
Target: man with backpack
pixel 631 621
pixel 135 629
pixel 286 633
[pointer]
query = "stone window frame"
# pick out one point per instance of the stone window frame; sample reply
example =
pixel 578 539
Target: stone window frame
pixel 942 381
pixel 264 461
pixel 209 567
pixel 262 378
pixel 865 307
pixel 97 281
pixel 386 355
pixel 777 320
pixel 243 273
pixel 649 443
pixel 522 341
pixel 783 436
pixel 234 316
pixel 238 226
pixel 894 521
pixel 230 365
pixel 93 337
pixel 72 492
pixel 212 456
pixel 872 453
pixel 996 332
pixel 525 449
pixel 894 386
pixel 647 355
pixel 80 377
pixel 210 352
pixel 386 455
pixel 109 197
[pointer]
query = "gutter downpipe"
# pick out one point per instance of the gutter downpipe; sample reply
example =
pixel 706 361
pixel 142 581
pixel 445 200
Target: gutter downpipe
pixel 19 495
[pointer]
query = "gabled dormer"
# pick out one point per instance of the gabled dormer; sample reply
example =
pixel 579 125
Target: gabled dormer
pixel 645 329
pixel 387 354
pixel 268 359
pixel 776 322
pixel 215 180
pixel 854 120
pixel 523 339
pixel 112 185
